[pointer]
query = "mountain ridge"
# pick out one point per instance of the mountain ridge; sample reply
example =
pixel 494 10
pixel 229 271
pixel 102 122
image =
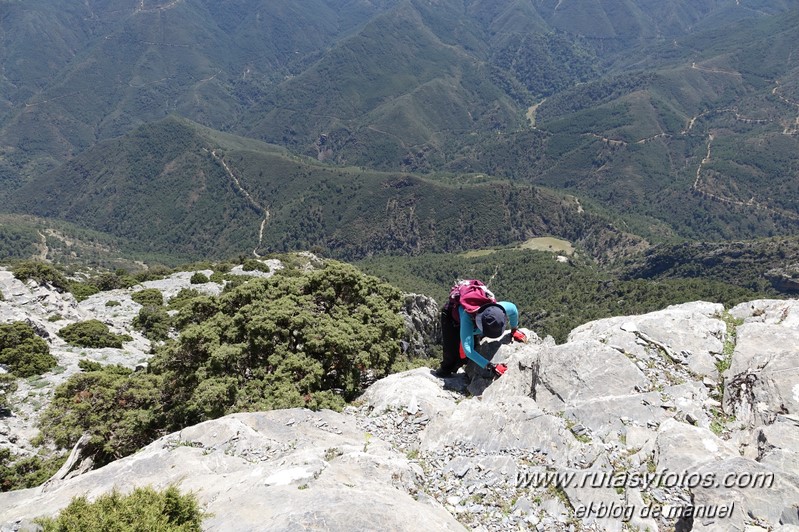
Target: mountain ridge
pixel 349 212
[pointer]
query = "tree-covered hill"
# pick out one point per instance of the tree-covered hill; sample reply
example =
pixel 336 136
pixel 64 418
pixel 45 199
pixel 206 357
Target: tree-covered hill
pixel 176 188
pixel 554 297
pixel 678 116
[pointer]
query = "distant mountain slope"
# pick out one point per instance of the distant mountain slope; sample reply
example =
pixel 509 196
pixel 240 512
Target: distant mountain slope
pixel 74 74
pixel 756 265
pixel 384 80
pixel 159 187
pixel 677 112
pixel 177 188
pixel 709 142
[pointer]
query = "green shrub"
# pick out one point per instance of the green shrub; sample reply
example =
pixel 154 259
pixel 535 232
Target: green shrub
pixel 154 322
pixel 113 281
pixel 254 264
pixel 282 342
pixel 102 283
pixel 303 340
pixel 195 310
pixel 143 510
pixel 82 291
pixel 118 408
pixel 183 298
pixel 112 303
pixel 25 353
pixel 154 274
pixel 199 278
pixel 8 385
pixel 20 472
pixel 91 333
pixel 42 273
pixel 148 296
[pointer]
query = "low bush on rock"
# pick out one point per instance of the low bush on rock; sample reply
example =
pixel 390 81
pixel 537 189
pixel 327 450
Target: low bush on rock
pixel 20 472
pixel 300 340
pixel 42 273
pixel 92 333
pixel 255 265
pixel 23 351
pixel 143 509
pixel 148 297
pixel 102 282
pixel 182 298
pixel 8 385
pixel 154 322
pixel 282 342
pixel 199 278
pixel 82 291
pixel 120 411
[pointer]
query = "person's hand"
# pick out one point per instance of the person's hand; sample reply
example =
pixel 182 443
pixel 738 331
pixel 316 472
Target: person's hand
pixel 519 336
pixel 498 370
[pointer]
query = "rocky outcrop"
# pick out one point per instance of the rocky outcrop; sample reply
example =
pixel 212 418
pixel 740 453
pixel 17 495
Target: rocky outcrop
pixel 422 326
pixel 280 470
pixel 763 378
pixel 47 311
pixel 628 425
pixel 784 279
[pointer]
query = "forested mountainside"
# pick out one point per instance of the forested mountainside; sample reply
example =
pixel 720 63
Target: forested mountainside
pixel 176 188
pixel 679 117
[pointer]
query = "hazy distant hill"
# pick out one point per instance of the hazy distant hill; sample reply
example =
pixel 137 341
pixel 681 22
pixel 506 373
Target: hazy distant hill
pixel 174 187
pixel 679 115
pixel 709 140
pixel 77 73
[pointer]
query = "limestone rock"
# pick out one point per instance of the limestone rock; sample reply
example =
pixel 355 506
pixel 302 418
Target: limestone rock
pixel 681 447
pixel 281 470
pixel 631 396
pixel 771 311
pixel 763 379
pixel 757 492
pixel 504 425
pixel 422 326
pixel 410 391
pixel 689 334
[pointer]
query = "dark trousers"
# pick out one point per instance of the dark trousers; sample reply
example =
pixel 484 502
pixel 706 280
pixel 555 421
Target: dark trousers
pixel 451 342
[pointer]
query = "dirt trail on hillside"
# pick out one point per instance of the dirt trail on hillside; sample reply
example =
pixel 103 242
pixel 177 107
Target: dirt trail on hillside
pixel 750 203
pixel 789 129
pixel 254 204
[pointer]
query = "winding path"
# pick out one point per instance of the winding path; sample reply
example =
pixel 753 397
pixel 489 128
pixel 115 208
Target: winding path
pixel 254 204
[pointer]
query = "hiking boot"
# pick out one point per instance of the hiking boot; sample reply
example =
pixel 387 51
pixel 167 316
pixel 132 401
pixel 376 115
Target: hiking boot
pixel 441 373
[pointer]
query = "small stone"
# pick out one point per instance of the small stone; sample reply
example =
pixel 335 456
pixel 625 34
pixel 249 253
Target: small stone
pixel 461 471
pixel 629 326
pixel 659 495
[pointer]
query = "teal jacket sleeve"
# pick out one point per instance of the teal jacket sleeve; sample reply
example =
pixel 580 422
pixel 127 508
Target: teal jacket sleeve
pixel 468 330
pixel 512 312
